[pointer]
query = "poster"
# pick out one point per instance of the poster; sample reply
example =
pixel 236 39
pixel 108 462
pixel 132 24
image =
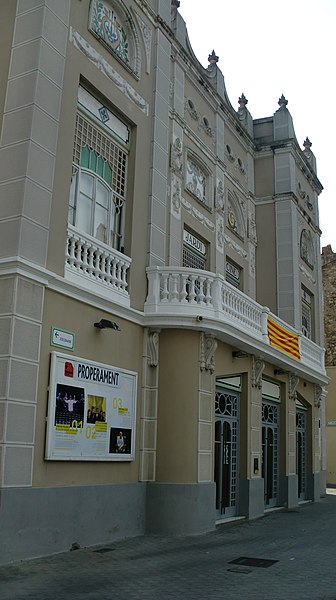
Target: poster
pixel 91 410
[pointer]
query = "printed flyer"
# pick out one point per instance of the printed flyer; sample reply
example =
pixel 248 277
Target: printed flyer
pixel 91 411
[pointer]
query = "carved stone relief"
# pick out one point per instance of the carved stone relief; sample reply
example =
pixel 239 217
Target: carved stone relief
pixel 219 196
pixel 176 158
pixel 258 367
pixel 208 346
pixel 220 233
pixel 146 33
pixel 176 194
pixel 293 381
pixel 307 248
pixel 232 244
pixel 153 347
pixel 113 26
pixel 320 395
pixel 83 46
pixel 197 214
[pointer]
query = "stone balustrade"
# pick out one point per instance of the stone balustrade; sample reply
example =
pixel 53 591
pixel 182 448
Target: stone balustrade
pixel 179 291
pixel 93 262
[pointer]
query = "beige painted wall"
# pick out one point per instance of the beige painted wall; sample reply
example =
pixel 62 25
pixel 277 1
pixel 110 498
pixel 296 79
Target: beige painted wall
pixel 266 257
pixel 331 429
pixel 178 407
pixel 119 349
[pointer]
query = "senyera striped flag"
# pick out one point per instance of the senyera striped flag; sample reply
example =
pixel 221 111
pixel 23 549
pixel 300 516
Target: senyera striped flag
pixel 283 339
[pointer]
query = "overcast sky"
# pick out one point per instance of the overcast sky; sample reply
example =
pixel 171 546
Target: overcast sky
pixel 268 48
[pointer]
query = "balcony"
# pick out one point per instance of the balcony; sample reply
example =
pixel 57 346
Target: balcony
pixel 96 267
pixel 176 296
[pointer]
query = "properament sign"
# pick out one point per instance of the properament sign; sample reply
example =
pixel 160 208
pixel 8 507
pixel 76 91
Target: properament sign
pixel 91 411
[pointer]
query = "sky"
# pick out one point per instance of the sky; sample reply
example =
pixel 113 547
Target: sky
pixel 268 48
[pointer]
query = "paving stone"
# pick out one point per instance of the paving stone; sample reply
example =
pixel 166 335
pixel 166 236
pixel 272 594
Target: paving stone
pixel 199 567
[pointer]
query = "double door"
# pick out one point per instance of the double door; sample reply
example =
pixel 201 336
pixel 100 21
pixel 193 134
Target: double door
pixel 301 452
pixel 270 453
pixel 226 452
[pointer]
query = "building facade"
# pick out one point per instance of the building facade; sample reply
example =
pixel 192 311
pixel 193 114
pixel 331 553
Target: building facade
pixel 329 293
pixel 161 336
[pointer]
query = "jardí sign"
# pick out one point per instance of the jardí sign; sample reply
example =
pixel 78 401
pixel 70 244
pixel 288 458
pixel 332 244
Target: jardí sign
pixel 62 338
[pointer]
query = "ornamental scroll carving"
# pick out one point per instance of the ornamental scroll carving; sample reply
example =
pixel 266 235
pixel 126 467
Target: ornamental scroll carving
pixel 293 383
pixel 153 347
pixel 318 396
pixel 219 197
pixel 208 346
pixel 102 65
pixel 258 367
pixel 176 161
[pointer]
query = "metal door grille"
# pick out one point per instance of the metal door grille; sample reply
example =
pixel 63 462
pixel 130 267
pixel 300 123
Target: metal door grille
pixel 270 451
pixel 301 452
pixel 226 451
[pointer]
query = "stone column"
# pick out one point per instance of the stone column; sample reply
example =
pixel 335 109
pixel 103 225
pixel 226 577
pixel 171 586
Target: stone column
pixel 149 405
pixel 252 488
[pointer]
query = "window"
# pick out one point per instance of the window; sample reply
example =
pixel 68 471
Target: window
pixel 194 252
pixel 98 186
pixel 233 274
pixel 306 308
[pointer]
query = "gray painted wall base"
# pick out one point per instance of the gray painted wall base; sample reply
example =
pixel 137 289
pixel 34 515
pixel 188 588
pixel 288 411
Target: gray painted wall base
pixel 251 499
pixel 314 486
pixel 40 521
pixel 289 491
pixel 323 483
pixel 177 508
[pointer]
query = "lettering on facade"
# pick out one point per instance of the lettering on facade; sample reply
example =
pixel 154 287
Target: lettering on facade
pixel 233 271
pixel 90 373
pixel 194 242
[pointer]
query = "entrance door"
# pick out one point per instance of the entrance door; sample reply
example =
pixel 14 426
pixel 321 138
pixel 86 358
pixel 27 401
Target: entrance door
pixel 301 452
pixel 270 453
pixel 226 452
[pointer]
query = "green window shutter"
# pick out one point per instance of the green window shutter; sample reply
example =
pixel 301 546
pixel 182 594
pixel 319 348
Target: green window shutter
pixel 89 159
pixel 85 157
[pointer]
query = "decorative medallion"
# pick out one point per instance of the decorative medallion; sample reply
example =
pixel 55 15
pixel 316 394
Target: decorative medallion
pixel 103 113
pixel 232 218
pixel 105 24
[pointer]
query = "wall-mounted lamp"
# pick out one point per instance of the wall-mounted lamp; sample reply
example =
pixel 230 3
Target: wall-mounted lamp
pixel 279 372
pixel 239 354
pixel 105 324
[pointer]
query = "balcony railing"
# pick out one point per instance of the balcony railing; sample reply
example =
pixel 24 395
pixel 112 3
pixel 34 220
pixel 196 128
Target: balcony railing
pixel 179 291
pixel 92 262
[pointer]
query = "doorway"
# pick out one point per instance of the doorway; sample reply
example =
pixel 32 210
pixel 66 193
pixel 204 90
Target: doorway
pixel 270 453
pixel 226 452
pixel 301 451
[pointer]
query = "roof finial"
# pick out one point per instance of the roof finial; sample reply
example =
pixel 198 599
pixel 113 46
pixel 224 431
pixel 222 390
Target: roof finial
pixel 242 101
pixel 213 58
pixel 282 101
pixel 307 144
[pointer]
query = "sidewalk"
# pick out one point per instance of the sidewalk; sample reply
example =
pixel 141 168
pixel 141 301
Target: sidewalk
pixel 302 541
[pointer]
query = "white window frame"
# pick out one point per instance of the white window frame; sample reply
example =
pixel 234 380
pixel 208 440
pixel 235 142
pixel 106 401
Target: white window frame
pixel 306 313
pixel 113 232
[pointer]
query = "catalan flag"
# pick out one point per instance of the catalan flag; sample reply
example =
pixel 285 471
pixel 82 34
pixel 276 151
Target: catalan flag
pixel 283 339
